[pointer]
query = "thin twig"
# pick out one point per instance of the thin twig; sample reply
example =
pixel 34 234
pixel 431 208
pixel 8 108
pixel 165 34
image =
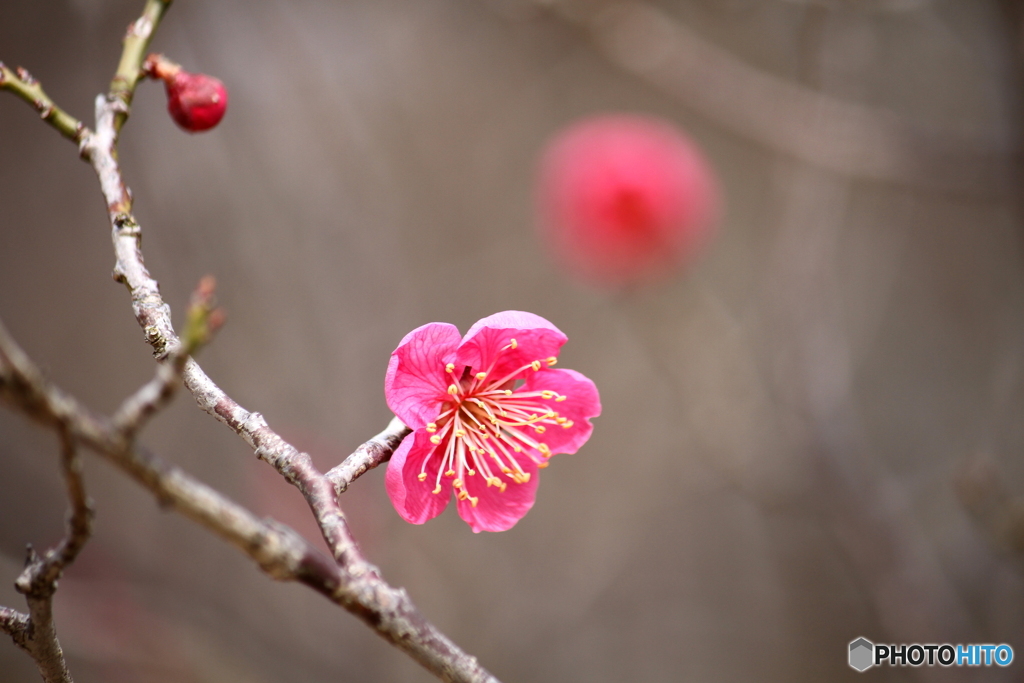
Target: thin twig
pixel 136 45
pixel 371 454
pixel 202 321
pixel 39 579
pixel 21 83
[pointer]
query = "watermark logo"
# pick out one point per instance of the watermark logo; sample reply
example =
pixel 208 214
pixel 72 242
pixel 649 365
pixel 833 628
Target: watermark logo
pixel 861 654
pixel 864 654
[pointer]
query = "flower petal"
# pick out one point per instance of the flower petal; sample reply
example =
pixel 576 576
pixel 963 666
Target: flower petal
pixel 416 381
pixel 536 339
pixel 582 402
pixel 496 510
pixel 411 497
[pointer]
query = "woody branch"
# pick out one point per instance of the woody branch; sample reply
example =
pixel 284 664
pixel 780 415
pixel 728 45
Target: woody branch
pixel 278 550
pixel 350 580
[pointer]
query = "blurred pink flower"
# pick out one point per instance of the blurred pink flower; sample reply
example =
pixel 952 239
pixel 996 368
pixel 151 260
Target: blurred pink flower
pixel 626 198
pixel 475 432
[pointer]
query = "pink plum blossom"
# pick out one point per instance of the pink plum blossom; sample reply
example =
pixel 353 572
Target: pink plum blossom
pixel 487 412
pixel 625 198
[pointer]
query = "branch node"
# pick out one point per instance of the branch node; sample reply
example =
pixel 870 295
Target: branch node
pixel 25 76
pixel 140 28
pixel 126 225
pixel 153 337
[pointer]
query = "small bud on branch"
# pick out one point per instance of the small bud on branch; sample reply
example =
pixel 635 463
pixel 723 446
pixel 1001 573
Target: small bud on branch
pixel 196 102
pixel 203 318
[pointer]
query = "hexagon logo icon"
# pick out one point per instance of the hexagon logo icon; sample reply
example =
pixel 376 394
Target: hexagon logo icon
pixel 862 653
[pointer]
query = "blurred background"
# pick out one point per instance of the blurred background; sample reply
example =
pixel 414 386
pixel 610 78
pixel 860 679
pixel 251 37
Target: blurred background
pixel 812 435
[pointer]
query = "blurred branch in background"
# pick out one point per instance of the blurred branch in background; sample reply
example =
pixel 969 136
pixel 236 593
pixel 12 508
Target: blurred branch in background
pixel 822 146
pixel 981 488
pixel 850 139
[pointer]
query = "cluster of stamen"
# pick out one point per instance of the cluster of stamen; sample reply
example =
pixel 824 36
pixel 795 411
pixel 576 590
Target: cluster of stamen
pixel 486 421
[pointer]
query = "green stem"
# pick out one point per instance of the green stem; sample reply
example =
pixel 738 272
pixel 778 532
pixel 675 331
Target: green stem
pixel 136 45
pixel 22 84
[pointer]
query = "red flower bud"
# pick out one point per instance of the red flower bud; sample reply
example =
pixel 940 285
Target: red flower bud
pixel 625 198
pixel 196 101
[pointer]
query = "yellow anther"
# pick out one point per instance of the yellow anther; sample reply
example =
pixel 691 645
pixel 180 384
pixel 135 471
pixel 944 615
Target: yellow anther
pixel 508 392
pixel 561 398
pixel 453 389
pixel 435 439
pixel 548 394
pixel 494 481
pixel 437 489
pixel 535 365
pixel 459 433
pixel 462 495
pixel 543 448
pixel 450 473
pixel 551 361
pixel 422 476
pixel 471 472
pixel 481 375
pixel 457 483
pixel 542 465
pixel 561 420
pixel 450 367
pixel 567 424
pixel 431 427
pixel 505 470
pixel 502 487
pixel 540 429
pixel 473 500
pixel 514 343
pixel 517 448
